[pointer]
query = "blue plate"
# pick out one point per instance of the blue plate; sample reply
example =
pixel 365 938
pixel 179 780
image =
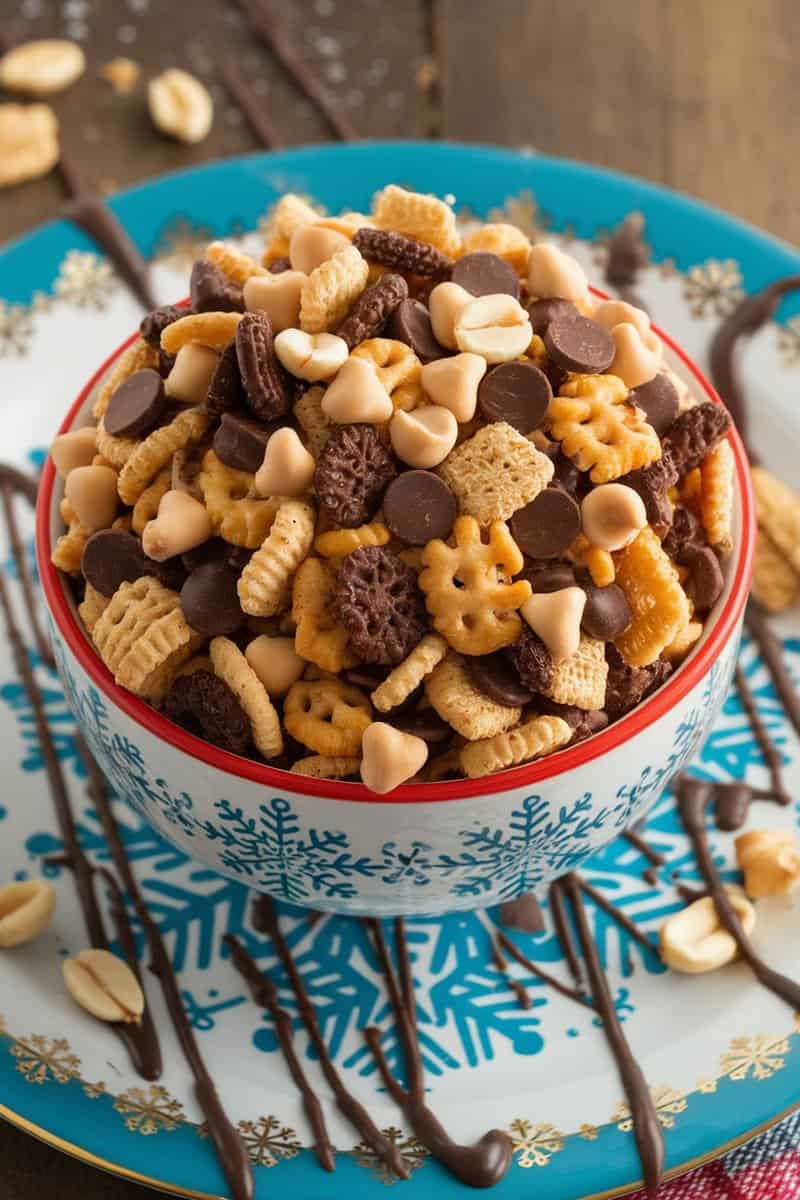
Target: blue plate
pixel 66 1080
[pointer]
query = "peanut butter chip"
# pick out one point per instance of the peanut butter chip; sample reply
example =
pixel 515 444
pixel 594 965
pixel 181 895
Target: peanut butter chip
pixel 423 438
pixel 357 395
pixel 276 295
pixel 25 911
pixel 556 618
pixel 633 360
pixel 694 941
pixel 92 492
pixel 496 327
pixel 182 523
pixel 191 374
pixel 390 757
pixel 288 468
pixel 74 449
pixel 104 985
pixel 276 663
pixel 551 272
pixel 453 383
pixel 311 245
pixel 612 515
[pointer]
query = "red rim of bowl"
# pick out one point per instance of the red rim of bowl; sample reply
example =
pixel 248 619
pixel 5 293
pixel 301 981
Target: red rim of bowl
pixel 584 752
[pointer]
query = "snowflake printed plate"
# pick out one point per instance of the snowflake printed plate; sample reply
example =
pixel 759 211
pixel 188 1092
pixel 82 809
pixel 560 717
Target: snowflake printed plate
pixel 721 1054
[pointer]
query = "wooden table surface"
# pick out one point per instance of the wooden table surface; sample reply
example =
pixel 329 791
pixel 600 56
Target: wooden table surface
pixel 704 97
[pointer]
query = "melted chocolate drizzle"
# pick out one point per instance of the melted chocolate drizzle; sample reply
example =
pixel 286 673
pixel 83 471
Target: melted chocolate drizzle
pixel 8 485
pixel 523 913
pixel 654 857
pixel 770 752
pixel 564 932
pixel 572 993
pixel 772 653
pixel 257 117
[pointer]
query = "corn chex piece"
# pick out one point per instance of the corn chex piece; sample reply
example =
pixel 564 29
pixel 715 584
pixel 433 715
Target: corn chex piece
pixel 599 430
pixel 214 329
pixel 495 472
pixel 398 369
pixel 315 424
pixel 465 707
pixel 506 241
pixel 659 605
pixel 778 513
pixel 136 358
pixel 716 496
pixel 327 716
pixel 326 766
pixel 775 584
pixel 264 582
pixel 157 449
pixel 231 666
pixel 331 289
pixel 581 678
pixel 337 543
pixel 236 515
pixel 418 216
pixel 532 739
pixel 234 264
pixel 319 637
pixel 409 674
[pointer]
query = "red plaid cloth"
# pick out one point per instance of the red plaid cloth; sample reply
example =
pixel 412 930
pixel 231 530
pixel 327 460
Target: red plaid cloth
pixel 767 1168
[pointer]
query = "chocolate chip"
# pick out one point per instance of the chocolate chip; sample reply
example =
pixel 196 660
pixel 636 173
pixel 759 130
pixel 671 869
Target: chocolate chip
pixel 353 471
pixel 111 557
pixel 400 252
pixel 548 577
pixel 154 323
pixel 380 605
pixel 225 390
pixel 496 677
pixel 566 474
pixel 533 661
pixel 204 705
pixel 485 274
pixel 171 573
pixel 265 381
pixel 542 312
pixel 578 344
pixel 607 613
pixel 555 374
pixel 515 392
pixel 548 525
pixel 210 601
pixel 373 309
pixel 705 582
pixel 279 265
pixel 215 550
pixel 136 406
pixel 424 723
pixel 659 401
pixel 211 291
pixel 240 442
pixel 418 506
pixel 411 323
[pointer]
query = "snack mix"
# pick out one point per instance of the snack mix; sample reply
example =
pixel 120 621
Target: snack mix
pixel 395 504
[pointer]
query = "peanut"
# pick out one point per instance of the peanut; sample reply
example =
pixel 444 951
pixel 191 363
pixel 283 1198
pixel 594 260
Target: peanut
pixel 25 911
pixel 104 985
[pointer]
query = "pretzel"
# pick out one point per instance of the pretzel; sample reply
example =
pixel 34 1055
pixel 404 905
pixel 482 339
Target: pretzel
pixel 331 289
pixel 398 369
pixel 599 430
pixel 495 472
pixel 418 216
pixel 464 706
pixel 658 603
pixel 534 738
pixel 157 449
pixel 263 583
pixel 135 358
pixel 235 514
pixel 337 543
pixel 319 637
pixel 465 590
pixel 716 497
pixel 409 674
pixel 683 641
pixel 231 666
pixel 327 715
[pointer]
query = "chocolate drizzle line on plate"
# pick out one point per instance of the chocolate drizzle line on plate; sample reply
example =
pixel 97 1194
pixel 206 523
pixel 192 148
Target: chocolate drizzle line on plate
pixel 480 1165
pixel 564 932
pixel 505 943
pixel 254 110
pixel 8 485
pixel 770 752
pixel 265 919
pixel 265 994
pixel 515 986
pixel 772 653
pixel 656 859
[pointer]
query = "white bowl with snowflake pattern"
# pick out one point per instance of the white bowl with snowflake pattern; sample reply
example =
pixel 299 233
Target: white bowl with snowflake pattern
pixel 424 848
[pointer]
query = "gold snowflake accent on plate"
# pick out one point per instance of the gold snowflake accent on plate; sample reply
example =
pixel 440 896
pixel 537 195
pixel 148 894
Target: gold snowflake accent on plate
pixel 269 1142
pixel 409 1146
pixel 789 342
pixel 706 1087
pixel 668 1105
pixel 94 1090
pixel 151 1110
pixel 535 1145
pixel 85 280
pixel 181 242
pixel 758 1057
pixel 16 329
pixel 41 1059
pixel 713 288
pixel 589 1133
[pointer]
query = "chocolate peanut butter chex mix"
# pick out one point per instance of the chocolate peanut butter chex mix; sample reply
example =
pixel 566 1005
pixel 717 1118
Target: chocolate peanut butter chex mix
pixel 394 503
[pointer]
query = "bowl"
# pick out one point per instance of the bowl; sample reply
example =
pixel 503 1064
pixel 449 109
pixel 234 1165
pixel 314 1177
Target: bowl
pixel 424 848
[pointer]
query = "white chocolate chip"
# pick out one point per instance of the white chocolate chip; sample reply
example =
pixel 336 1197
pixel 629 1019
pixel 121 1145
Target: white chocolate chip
pixel 556 618
pixel 180 105
pixel 74 449
pixel 288 468
pixel 453 383
pixel 634 362
pixel 92 493
pixel 42 68
pixel 311 356
pixel 191 373
pixel 181 524
pixel 26 909
pixel 612 514
pixel 423 438
pixel 445 304
pixel 694 940
pixel 104 985
pixel 312 245
pixel 497 327
pixel 275 662
pixel 276 295
pixel 770 860
pixel 390 757
pixel 357 394
pixel 552 273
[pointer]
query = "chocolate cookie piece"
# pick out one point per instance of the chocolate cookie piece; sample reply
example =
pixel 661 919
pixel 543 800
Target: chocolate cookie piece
pixel 627 686
pixel 684 531
pixel 576 343
pixel 154 323
pixel 210 291
pixel 379 603
pixel 705 582
pixel 694 432
pixel 265 382
pixel 606 613
pixel 485 274
pixel 653 484
pixel 205 706
pixel 497 678
pixel 547 526
pixel 240 442
pixel 352 473
pixel 517 393
pixel 411 323
pixel 542 312
pixel 225 392
pixel 400 252
pixel 136 406
pixel 628 253
pixel 533 661
pixel 112 557
pixel 658 400
pixel 418 506
pixel 373 309
pixel 210 602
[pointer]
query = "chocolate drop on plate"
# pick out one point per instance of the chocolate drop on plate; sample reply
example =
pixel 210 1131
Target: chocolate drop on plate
pixel 485 274
pixel 523 913
pixel 418 506
pixel 112 557
pixel 137 405
pixel 210 602
pixel 517 393
pixel 548 577
pixel 578 344
pixel 240 442
pixel 547 526
pixel 542 312
pixel 411 323
pixel 658 399
pixel 607 613
pixel 496 677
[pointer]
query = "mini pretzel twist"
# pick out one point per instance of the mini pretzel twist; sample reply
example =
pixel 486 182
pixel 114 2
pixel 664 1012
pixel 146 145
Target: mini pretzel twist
pixel 599 430
pixel 327 715
pixel 398 369
pixel 235 514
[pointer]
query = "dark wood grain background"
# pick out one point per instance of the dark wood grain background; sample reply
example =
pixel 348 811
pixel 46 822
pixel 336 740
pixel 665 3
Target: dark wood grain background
pixel 703 95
